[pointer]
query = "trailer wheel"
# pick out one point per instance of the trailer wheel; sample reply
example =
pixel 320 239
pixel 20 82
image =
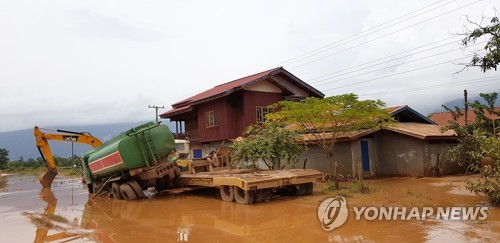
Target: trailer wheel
pixel 243 196
pixel 227 193
pixel 137 188
pixel 115 191
pixel 160 184
pixel 301 189
pixel 127 192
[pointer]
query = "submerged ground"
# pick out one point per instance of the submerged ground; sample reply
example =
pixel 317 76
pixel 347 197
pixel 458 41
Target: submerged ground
pixel 66 213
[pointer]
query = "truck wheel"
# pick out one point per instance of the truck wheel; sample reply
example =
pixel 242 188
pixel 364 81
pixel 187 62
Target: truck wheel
pixel 227 193
pixel 301 189
pixel 91 188
pixel 160 184
pixel 137 188
pixel 243 196
pixel 115 191
pixel 127 192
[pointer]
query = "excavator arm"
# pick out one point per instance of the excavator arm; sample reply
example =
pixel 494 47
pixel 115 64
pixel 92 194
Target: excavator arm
pixel 43 147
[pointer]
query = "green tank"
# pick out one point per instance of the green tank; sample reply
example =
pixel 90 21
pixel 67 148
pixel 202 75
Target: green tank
pixel 139 147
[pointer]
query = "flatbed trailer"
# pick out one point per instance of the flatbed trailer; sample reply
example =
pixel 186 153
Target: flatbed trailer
pixel 248 186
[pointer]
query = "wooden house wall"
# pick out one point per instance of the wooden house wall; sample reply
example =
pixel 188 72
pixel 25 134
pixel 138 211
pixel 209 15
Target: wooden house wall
pixel 251 100
pixel 218 132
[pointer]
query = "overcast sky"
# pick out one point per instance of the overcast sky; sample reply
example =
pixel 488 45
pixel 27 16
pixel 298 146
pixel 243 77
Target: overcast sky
pixel 92 62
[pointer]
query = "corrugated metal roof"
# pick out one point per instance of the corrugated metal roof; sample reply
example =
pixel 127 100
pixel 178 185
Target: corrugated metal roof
pixel 219 89
pixel 418 130
pixel 232 86
pixel 442 118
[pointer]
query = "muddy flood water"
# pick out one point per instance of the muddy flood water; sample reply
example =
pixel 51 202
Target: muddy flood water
pixel 67 214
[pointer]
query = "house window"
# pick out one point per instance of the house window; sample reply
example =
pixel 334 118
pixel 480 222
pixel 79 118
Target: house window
pixel 262 111
pixel 211 119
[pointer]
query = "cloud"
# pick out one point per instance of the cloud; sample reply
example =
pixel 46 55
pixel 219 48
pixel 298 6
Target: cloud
pixel 87 23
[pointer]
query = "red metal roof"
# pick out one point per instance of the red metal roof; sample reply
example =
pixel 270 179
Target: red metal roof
pixel 230 87
pixel 442 118
pixel 221 88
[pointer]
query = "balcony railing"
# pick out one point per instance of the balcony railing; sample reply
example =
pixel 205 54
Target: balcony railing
pixel 190 135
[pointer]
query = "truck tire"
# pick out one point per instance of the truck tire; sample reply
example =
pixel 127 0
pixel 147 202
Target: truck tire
pixel 160 185
pixel 127 192
pixel 227 193
pixel 137 188
pixel 115 191
pixel 91 188
pixel 243 196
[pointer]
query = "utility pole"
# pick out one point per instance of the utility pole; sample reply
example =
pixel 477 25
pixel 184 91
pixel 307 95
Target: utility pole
pixel 156 108
pixel 466 105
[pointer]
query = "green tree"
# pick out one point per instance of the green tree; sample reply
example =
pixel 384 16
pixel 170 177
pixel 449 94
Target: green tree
pixel 490 58
pixel 490 172
pixel 471 135
pixel 268 142
pixel 4 158
pixel 326 119
pixel 479 146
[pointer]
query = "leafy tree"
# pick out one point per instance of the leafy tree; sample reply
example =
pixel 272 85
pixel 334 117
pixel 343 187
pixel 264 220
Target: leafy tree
pixel 327 119
pixel 4 158
pixel 268 142
pixel 490 173
pixel 471 136
pixel 491 57
pixel 479 143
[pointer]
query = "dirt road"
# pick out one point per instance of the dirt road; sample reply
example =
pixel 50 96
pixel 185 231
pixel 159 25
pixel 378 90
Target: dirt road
pixel 65 213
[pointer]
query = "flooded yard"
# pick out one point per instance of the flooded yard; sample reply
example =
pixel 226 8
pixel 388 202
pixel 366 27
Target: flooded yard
pixel 67 214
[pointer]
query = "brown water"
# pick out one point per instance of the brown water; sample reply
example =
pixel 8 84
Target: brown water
pixel 27 215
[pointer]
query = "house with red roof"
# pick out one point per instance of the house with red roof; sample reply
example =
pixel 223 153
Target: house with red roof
pixel 226 110
pixel 443 118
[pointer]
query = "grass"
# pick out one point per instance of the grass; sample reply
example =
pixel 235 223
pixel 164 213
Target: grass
pixel 347 190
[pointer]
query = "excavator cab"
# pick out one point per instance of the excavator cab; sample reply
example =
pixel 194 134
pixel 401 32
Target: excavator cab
pixel 61 135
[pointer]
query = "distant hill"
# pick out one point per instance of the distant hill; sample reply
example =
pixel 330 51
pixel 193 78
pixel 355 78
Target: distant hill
pixel 460 102
pixel 22 143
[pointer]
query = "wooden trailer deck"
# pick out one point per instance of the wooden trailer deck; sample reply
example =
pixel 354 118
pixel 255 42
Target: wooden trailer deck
pixel 250 179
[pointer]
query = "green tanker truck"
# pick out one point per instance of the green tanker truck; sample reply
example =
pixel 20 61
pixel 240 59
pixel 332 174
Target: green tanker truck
pixel 131 162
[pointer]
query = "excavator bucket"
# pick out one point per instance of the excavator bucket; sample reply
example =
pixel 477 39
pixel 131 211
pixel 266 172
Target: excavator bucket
pixel 47 178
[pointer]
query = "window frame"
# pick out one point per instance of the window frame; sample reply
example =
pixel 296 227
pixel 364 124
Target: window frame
pixel 211 119
pixel 262 112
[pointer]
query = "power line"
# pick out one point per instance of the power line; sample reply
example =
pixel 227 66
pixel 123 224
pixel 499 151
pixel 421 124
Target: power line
pixel 478 80
pixel 416 69
pixel 379 59
pixel 380 69
pixel 319 50
pixel 358 45
pixel 156 108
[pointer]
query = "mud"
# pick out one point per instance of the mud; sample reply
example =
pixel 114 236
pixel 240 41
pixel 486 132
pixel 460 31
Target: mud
pixel 65 213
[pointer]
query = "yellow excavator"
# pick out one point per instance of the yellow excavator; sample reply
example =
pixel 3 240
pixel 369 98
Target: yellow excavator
pixel 62 135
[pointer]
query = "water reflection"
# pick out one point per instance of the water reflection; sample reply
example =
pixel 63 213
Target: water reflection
pixel 58 226
pixel 201 216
